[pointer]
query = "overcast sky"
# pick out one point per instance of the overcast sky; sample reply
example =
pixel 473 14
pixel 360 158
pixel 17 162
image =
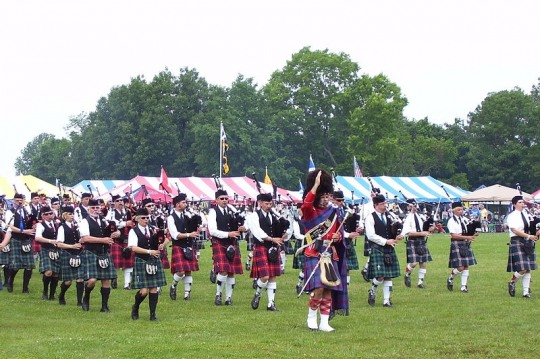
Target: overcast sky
pixel 59 57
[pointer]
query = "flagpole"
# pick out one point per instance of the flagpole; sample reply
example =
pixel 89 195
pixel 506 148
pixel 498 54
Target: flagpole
pixel 220 149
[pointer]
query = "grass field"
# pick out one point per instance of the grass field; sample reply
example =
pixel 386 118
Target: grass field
pixel 428 323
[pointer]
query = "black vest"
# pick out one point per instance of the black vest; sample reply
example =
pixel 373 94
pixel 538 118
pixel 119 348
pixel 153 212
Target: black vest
pixel 48 233
pixel 271 231
pixel 122 217
pixel 380 228
pixel 181 228
pixel 96 231
pixel 71 236
pixel 223 223
pixel 151 243
pixel 84 212
pixel 17 223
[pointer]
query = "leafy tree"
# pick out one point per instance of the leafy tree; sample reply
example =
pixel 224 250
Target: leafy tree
pixel 24 163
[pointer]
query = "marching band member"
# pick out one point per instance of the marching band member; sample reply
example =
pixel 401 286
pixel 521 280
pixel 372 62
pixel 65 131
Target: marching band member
pixel 417 250
pixel 325 297
pixel 49 257
pixel 148 272
pixel 120 253
pixel 5 250
pixel 157 222
pixel 297 233
pixel 81 211
pixel 266 229
pixel 184 256
pixel 225 250
pixel 71 266
pixel 22 234
pixel 383 261
pixel 461 255
pixel 522 252
pixel 96 255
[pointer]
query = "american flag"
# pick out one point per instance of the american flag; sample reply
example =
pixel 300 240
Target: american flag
pixel 357 171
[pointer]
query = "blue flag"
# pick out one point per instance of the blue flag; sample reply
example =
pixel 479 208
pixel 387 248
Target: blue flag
pixel 311 166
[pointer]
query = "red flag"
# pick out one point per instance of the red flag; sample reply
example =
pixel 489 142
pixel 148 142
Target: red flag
pixel 164 181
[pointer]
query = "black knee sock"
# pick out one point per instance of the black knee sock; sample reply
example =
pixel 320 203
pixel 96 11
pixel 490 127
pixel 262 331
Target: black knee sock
pixel 63 289
pixel 80 291
pixel 105 292
pixel 46 281
pixel 26 279
pixel 54 285
pixel 139 299
pixel 12 274
pixel 87 291
pixel 7 274
pixel 152 303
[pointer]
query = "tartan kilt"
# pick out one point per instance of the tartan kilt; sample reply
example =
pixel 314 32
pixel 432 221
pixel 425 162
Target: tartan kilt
pixel 367 247
pixel 315 282
pixel 4 257
pixel 261 267
pixel 36 246
pixel 298 260
pixel 141 279
pixel 46 263
pixel 456 260
pixel 517 259
pixel 352 259
pixel 165 259
pixel 67 272
pixel 116 254
pixel 180 263
pixel 221 263
pixel 412 256
pixel 93 270
pixel 377 268
pixel 19 259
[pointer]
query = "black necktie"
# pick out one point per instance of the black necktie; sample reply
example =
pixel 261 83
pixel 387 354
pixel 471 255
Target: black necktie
pixel 417 223
pixel 146 232
pixel 268 219
pixel 383 219
pixel 525 223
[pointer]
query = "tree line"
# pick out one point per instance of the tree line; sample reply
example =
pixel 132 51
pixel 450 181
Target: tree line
pixel 318 103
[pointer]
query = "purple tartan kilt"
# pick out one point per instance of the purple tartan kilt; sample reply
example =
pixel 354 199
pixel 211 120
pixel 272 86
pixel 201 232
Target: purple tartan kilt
pixel 456 260
pixel 412 256
pixel 141 279
pixel 180 263
pixel 4 257
pixel 260 266
pixel 116 254
pixel 67 272
pixel 517 259
pixel 19 259
pixel 92 270
pixel 377 268
pixel 315 282
pixel 46 263
pixel 165 259
pixel 221 263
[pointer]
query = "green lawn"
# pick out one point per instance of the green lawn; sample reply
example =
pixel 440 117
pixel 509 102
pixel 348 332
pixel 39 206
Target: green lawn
pixel 429 323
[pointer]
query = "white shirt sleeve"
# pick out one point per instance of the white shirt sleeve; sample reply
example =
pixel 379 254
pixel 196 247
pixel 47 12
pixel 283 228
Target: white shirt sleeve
pixel 39 230
pixel 454 226
pixel 370 231
pixel 84 229
pixel 133 240
pixel 60 234
pixel 255 227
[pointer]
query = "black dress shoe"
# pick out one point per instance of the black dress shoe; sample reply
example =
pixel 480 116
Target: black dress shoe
pixel 407 281
pixel 255 301
pixel 272 308
pixel 212 276
pixel 187 296
pixel 254 285
pixel 134 313
pixel 52 297
pixel 172 293
pixel 228 301
pixel 26 291
pixel 61 300
pixel 371 297
pixel 85 306
pixel 512 288
pixel 153 318
pixel 114 283
pixel 388 305
pixel 365 275
pixel 9 288
pixel 104 310
pixel 44 296
pixel 217 301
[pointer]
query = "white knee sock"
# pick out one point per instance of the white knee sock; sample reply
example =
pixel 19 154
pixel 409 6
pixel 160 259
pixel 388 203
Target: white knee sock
pixel 220 282
pixel 229 286
pixel 464 278
pixel 271 292
pixel 188 280
pixel 526 283
pixel 127 276
pixel 387 289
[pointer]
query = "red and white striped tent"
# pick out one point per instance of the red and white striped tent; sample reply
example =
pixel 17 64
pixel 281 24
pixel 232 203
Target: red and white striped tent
pixel 198 188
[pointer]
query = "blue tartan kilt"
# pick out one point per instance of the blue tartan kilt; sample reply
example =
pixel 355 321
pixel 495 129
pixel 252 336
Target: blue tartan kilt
pixel 261 267
pixel 377 268
pixel 298 260
pixel 221 262
pixel 46 263
pixel 141 279
pixel 456 260
pixel 180 263
pixel 352 259
pixel 412 256
pixel 19 259
pixel 67 272
pixel 4 257
pixel 119 261
pixel 93 270
pixel 315 282
pixel 517 259
pixel 367 247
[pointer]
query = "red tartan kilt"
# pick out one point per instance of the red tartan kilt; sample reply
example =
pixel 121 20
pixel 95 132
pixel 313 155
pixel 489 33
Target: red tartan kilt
pixel 118 260
pixel 221 263
pixel 260 266
pixel 181 264
pixel 164 259
pixel 36 247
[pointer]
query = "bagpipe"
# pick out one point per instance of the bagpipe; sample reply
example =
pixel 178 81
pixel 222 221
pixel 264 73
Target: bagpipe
pixel 473 227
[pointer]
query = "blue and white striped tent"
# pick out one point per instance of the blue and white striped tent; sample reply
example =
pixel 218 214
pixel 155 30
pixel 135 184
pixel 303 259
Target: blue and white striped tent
pixel 98 186
pixel 422 189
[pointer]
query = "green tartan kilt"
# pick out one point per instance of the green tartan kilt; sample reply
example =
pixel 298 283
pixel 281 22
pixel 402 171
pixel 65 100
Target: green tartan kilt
pixel 298 260
pixel 93 270
pixel 517 259
pixel 377 268
pixel 19 259
pixel 352 259
pixel 141 279
pixel 4 257
pixel 67 272
pixel 46 263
